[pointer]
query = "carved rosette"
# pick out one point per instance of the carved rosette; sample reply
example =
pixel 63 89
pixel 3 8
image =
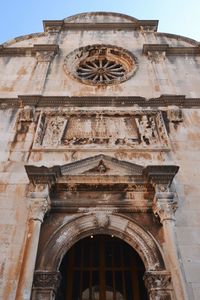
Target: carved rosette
pixel 158 285
pixel 46 280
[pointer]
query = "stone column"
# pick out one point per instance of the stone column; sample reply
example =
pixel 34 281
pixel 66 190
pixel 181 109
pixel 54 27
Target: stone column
pixel 164 207
pixel 38 205
pixel 158 285
pixel 45 285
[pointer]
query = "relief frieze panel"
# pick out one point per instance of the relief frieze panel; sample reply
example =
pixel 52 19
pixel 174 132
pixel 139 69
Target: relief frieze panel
pixel 106 130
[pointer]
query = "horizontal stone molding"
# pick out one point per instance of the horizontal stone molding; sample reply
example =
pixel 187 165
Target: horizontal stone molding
pixel 29 51
pixel 149 25
pixel 66 101
pixel 195 50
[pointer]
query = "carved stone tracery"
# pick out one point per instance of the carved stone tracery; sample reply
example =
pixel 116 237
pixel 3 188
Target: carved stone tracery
pixel 100 64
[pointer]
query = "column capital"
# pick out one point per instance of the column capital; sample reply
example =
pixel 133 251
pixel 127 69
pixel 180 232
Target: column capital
pixel 38 208
pixel 46 280
pixel 164 204
pixel 39 201
pixel 158 284
pixel 38 190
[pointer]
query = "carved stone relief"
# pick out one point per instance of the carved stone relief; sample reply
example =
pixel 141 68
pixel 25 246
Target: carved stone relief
pixel 156 56
pixel 158 285
pixel 144 130
pixel 46 279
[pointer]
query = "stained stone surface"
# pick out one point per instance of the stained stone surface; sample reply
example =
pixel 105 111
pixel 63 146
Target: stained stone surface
pixel 56 134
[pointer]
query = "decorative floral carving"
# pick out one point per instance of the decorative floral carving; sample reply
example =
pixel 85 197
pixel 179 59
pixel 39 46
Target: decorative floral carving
pixel 38 208
pixel 157 279
pixel 45 56
pixel 156 56
pixel 175 115
pixel 102 219
pixel 46 279
pixel 165 204
pixel 158 284
pixel 100 64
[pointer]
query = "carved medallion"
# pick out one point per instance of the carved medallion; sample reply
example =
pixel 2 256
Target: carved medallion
pixel 100 64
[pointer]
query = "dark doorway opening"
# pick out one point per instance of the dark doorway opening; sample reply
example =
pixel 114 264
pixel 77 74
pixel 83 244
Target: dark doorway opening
pixel 102 267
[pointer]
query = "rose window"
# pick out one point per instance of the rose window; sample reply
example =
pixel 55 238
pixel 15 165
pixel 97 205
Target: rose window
pixel 101 70
pixel 100 64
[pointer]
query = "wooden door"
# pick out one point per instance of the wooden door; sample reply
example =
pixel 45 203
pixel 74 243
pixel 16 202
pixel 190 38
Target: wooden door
pixel 103 268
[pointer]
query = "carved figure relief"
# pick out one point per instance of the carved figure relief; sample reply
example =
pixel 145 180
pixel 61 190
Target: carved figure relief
pixel 100 64
pixel 107 130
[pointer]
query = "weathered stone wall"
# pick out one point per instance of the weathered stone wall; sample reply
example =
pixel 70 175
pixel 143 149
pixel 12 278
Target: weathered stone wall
pixel 156 75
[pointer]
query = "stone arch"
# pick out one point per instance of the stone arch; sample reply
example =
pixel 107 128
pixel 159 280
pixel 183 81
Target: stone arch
pixel 100 223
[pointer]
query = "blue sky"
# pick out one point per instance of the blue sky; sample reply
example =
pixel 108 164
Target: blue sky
pixel 20 17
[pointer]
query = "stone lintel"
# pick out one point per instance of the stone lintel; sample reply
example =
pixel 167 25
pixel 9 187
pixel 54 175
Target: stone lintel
pixel 171 50
pixel 149 25
pixel 28 51
pixel 66 101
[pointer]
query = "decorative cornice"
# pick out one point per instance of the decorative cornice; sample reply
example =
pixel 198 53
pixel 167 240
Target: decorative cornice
pixel 170 50
pixel 91 101
pixel 160 174
pixel 28 51
pixel 43 175
pixel 149 25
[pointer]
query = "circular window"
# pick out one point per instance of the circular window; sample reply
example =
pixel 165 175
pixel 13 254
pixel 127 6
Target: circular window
pixel 100 64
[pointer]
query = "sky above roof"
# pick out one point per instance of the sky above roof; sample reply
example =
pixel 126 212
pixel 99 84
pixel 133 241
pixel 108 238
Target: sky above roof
pixel 21 17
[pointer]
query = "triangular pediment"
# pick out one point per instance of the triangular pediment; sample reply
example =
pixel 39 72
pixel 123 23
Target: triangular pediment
pixel 101 165
pixel 101 169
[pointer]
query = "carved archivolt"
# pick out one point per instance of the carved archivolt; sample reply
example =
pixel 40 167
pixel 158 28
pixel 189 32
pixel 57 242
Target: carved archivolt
pixel 100 222
pixel 100 64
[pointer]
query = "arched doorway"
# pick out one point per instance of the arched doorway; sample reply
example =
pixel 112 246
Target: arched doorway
pixel 102 267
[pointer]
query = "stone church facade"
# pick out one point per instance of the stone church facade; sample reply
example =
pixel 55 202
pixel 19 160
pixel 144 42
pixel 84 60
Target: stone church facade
pixel 99 162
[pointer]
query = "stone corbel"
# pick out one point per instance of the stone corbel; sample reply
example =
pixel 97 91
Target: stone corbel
pixel 158 285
